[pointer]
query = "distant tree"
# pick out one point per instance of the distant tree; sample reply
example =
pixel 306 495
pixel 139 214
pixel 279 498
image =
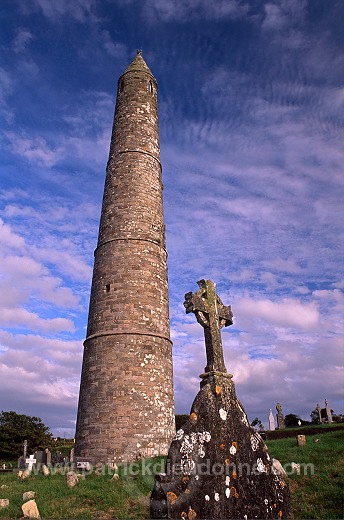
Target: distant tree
pixel 257 422
pixel 292 420
pixel 15 428
pixel 314 416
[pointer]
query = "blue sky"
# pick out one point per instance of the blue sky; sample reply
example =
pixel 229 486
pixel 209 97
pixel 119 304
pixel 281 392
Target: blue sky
pixel 251 99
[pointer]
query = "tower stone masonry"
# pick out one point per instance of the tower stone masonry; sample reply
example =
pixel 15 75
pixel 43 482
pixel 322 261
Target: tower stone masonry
pixel 126 408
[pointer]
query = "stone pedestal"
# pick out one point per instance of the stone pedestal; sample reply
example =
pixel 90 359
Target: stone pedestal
pixel 218 466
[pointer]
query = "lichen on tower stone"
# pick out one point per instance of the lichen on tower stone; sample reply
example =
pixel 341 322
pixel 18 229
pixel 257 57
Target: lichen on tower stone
pixel 126 408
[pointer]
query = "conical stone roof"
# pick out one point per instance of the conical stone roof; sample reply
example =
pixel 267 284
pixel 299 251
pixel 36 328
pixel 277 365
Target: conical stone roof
pixel 138 64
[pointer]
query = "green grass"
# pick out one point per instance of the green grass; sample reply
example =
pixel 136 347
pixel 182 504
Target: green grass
pixel 95 496
pixel 315 494
pixel 318 493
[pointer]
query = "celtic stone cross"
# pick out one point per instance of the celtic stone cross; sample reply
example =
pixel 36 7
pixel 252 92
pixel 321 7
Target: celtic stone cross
pixel 212 315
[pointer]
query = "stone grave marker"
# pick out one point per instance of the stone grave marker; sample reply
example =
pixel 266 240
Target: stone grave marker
pixel 30 509
pixel 280 417
pixel 57 459
pixel 48 457
pixel 22 458
pixel 319 413
pixel 30 462
pixel 218 466
pixel 301 440
pixel 41 457
pixel 271 420
pixel 328 412
pixel 21 463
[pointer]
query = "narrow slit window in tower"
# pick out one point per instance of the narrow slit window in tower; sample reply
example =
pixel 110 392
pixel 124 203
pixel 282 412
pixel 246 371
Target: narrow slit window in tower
pixel 150 87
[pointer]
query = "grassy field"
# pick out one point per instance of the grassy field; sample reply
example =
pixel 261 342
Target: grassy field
pixel 316 493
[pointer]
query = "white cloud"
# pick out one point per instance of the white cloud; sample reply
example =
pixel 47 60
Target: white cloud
pixel 172 10
pixel 25 283
pixel 287 313
pixel 279 264
pixel 6 88
pixel 44 370
pixel 8 238
pixel 35 150
pixel 282 14
pixel 22 39
pixel 252 165
pixel 21 318
pixel 80 10
pixel 114 49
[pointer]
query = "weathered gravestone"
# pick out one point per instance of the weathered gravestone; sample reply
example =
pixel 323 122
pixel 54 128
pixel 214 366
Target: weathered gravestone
pixel 280 417
pixel 30 509
pixel 301 440
pixel 22 458
pixel 319 413
pixel 271 420
pixel 41 457
pixel 25 449
pixel 217 465
pixel 48 457
pixel 57 459
pixel 21 462
pixel 328 412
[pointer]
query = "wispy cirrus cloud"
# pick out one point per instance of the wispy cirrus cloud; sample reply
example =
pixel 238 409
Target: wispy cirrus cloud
pixel 251 126
pixel 35 149
pixel 80 10
pixel 22 40
pixel 172 10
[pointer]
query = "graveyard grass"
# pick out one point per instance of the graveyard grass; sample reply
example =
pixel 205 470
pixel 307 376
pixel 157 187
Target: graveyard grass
pixel 317 496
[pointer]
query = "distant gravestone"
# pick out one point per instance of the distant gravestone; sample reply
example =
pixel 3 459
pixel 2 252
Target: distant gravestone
pixel 301 440
pixel 280 418
pixel 41 457
pixel 48 457
pixel 319 413
pixel 31 461
pixel 217 466
pixel 45 470
pixel 57 458
pixel 328 412
pixel 71 479
pixel 71 455
pixel 22 458
pixel 271 420
pixel 21 462
pixel 24 474
pixel 25 449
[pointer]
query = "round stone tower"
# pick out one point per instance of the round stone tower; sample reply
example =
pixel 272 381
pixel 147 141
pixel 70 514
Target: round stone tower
pixel 126 408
